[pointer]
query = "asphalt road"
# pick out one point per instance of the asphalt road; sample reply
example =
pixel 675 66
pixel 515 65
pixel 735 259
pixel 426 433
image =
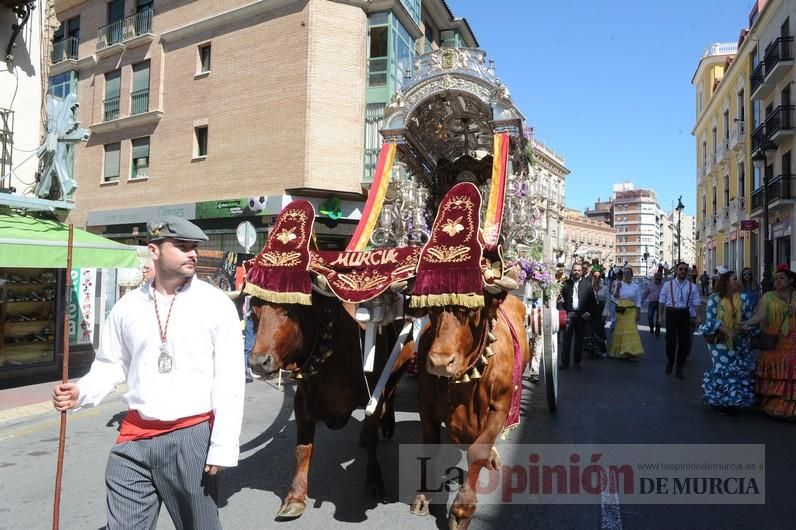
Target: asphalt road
pixel 607 402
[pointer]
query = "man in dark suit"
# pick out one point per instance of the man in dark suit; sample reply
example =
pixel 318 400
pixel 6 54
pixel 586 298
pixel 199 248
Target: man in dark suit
pixel 580 305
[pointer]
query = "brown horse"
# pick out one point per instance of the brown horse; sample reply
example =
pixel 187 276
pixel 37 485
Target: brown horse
pixel 474 410
pixel 321 345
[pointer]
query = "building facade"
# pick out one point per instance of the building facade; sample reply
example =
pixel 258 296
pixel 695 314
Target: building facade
pixel 551 175
pixel 602 211
pixel 744 136
pixel 638 220
pixel 682 248
pixel 587 239
pixel 20 99
pixel 225 111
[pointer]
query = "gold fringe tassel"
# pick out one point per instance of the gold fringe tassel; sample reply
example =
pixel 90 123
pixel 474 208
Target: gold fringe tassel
pixel 277 298
pixel 442 300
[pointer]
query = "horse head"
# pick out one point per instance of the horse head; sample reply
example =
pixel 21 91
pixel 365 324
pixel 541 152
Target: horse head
pixel 283 336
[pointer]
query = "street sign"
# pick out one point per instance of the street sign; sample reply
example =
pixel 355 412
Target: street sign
pixel 246 235
pixel 749 224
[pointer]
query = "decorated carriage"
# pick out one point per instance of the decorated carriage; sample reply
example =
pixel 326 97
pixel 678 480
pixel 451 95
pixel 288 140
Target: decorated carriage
pixel 444 255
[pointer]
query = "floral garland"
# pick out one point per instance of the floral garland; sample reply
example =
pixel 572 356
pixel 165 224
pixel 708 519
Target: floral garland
pixel 539 272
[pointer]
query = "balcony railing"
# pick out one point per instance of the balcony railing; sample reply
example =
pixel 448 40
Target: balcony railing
pixel 125 29
pixel 111 108
pixel 781 187
pixel 737 134
pixel 758 137
pixel 758 74
pixel 780 120
pixel 780 49
pixel 63 50
pixel 757 198
pixel 139 101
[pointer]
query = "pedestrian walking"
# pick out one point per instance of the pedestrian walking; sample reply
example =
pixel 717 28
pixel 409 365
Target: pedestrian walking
pixel 580 305
pixel 705 282
pixel 714 279
pixel 651 295
pixel 595 342
pixel 775 376
pixel 678 303
pixel 177 344
pixel 625 341
pixel 729 383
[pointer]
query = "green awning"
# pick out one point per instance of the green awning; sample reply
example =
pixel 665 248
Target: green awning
pixel 27 241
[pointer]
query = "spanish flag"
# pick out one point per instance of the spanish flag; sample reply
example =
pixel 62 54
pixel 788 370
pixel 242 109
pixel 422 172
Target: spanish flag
pixel 378 189
pixel 497 192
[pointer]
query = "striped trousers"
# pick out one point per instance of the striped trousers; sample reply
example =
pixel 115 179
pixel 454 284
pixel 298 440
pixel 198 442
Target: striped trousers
pixel 167 469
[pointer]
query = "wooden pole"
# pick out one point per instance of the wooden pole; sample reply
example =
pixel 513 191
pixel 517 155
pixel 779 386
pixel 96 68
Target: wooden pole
pixel 64 379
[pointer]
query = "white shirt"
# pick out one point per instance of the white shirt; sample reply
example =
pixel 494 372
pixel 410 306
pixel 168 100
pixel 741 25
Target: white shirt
pixel 686 295
pixel 205 343
pixel 575 298
pixel 630 291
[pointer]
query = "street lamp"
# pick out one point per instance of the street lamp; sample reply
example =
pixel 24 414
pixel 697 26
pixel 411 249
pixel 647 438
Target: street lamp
pixel 646 257
pixel 767 151
pixel 680 207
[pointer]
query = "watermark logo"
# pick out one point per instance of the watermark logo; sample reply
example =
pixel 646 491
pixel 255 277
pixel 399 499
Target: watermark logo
pixel 585 474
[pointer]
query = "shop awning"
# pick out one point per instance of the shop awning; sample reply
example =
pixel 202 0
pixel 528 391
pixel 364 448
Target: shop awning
pixel 27 241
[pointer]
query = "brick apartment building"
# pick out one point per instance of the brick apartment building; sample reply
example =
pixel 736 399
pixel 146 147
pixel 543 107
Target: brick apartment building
pixel 221 111
pixel 587 239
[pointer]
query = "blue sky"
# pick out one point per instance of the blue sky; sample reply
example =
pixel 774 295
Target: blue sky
pixel 607 84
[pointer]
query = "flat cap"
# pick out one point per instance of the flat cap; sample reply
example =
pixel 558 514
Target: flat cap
pixel 172 227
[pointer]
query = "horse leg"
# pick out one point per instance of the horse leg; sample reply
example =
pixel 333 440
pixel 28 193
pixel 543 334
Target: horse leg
pixel 295 502
pixel 374 483
pixel 482 453
pixel 431 427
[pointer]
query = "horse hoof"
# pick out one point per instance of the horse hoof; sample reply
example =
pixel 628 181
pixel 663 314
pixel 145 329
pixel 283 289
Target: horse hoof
pixel 420 506
pixel 291 510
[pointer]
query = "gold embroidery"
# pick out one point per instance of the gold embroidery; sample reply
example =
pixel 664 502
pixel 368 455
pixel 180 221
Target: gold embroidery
pixel 280 259
pixel 446 254
pixel 453 227
pixel 361 281
pixel 286 236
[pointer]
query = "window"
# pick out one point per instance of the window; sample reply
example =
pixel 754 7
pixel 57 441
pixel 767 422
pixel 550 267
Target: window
pixel 378 49
pixel 450 38
pixel 741 106
pixel 741 180
pixel 204 58
pixel 111 173
pixel 726 125
pixel 63 84
pixel 200 145
pixel 715 141
pixel 140 167
pixel 726 190
pixel 113 86
pixel 139 97
pixel 66 40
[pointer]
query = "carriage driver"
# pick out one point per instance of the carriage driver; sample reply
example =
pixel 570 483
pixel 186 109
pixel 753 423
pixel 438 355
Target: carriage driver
pixel 176 342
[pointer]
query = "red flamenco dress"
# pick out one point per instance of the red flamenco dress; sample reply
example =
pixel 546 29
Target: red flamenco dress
pixel 776 369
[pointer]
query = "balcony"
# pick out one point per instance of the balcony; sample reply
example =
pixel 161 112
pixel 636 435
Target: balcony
pixel 111 109
pixel 737 210
pixel 139 102
pixel 64 50
pixel 781 187
pixel 712 164
pixel 723 153
pixel 778 59
pixel 780 125
pixel 129 32
pixel 756 82
pixel 738 136
pixel 758 137
pixel 757 198
pixel 723 219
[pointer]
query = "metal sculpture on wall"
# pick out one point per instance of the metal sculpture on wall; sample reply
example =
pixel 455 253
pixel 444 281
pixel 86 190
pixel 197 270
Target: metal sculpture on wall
pixel 22 9
pixel 63 131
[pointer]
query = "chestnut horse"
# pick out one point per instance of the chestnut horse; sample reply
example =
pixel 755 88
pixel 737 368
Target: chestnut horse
pixel 474 410
pixel 321 345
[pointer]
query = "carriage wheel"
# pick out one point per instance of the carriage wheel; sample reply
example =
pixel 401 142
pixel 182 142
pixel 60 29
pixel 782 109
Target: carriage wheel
pixel 550 358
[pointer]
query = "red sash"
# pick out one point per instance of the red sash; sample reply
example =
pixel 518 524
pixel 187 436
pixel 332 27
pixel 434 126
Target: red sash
pixel 134 427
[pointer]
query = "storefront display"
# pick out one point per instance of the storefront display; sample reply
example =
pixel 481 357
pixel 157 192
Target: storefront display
pixel 27 316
